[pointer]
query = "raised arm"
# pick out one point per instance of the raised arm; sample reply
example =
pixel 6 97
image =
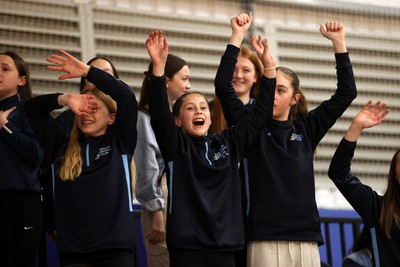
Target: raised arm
pixel 363 198
pixel 240 24
pixel 334 31
pixel 368 117
pixel 232 106
pixel 160 114
pixel 251 125
pixel 125 123
pixel 325 115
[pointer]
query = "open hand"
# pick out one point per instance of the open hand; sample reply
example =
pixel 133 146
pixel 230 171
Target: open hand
pixel 81 104
pixel 370 116
pixel 157 47
pixel 263 52
pixel 68 64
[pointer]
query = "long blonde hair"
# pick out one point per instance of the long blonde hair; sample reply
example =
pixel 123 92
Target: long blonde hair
pixel 71 168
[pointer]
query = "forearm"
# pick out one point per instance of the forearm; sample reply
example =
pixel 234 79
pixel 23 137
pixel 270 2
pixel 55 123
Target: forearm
pixel 236 39
pixel 161 117
pixel 232 106
pixel 353 133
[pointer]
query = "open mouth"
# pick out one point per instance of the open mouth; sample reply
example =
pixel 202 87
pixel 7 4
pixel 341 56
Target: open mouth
pixel 86 122
pixel 198 122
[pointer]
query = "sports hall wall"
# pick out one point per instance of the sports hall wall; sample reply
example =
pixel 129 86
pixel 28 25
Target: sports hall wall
pixel 199 30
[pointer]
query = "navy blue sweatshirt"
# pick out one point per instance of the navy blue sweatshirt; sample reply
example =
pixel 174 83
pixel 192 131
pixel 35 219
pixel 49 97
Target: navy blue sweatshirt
pixel 367 203
pixel 93 212
pixel 20 151
pixel 280 163
pixel 204 206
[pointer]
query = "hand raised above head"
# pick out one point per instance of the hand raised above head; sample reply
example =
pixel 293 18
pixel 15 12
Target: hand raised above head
pixel 370 116
pixel 242 22
pixel 157 47
pixel 69 64
pixel 264 52
pixel 334 31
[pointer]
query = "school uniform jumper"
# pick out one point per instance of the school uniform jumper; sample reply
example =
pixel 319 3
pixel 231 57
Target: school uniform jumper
pixel 367 203
pixel 20 191
pixel 282 202
pixel 204 209
pixel 94 212
pixel 21 153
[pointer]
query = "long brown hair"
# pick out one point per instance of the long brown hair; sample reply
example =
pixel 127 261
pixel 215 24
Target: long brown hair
pixel 24 91
pixel 390 211
pixel 300 109
pixel 71 168
pixel 217 115
pixel 173 65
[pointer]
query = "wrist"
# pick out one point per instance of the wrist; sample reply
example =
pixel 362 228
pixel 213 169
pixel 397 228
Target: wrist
pixel 339 46
pixel 271 68
pixel 236 39
pixel 61 100
pixel 85 70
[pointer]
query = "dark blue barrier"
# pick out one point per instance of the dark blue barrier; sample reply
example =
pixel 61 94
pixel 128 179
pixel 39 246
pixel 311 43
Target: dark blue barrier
pixel 339 228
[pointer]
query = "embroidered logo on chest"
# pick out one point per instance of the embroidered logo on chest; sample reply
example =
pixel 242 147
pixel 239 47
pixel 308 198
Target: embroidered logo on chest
pixel 296 137
pixel 223 153
pixel 102 152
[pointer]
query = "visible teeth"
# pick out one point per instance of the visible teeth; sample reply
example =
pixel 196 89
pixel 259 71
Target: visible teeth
pixel 198 122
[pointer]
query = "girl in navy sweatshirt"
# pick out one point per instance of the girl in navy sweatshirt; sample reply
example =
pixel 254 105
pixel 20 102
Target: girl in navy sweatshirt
pixel 283 217
pixel 91 165
pixel 204 220
pixel 380 213
pixel 20 159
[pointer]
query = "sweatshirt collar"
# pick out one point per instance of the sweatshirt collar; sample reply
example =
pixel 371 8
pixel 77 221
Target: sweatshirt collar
pixel 8 102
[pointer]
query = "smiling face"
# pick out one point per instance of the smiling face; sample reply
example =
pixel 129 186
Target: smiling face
pixel 284 97
pixel 244 77
pixel 9 77
pixel 194 115
pixel 96 124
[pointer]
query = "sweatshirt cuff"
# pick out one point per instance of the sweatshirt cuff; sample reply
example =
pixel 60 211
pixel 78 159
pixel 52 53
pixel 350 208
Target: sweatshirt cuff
pixel 8 128
pixel 232 51
pixel 154 204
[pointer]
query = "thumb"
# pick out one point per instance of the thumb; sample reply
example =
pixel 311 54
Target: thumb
pixel 322 29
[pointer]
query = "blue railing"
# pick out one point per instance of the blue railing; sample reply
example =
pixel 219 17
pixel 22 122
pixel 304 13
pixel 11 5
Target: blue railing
pixel 339 229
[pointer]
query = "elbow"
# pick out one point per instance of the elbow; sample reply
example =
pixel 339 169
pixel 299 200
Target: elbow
pixel 354 93
pixel 332 172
